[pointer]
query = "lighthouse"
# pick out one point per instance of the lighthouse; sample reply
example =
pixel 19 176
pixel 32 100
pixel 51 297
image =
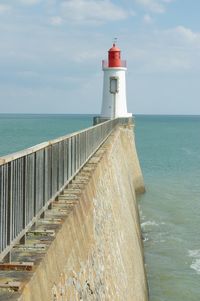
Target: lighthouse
pixel 114 86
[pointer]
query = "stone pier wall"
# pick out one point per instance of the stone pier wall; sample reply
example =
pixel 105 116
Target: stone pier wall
pixel 97 252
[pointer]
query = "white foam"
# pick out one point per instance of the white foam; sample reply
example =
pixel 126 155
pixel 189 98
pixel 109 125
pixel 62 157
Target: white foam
pixel 194 253
pixel 196 261
pixel 196 266
pixel 149 223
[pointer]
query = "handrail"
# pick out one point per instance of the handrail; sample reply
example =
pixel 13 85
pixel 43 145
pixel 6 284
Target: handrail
pixel 31 179
pixel 105 64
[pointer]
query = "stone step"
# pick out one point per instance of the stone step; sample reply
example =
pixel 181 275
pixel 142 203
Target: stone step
pixel 17 266
pixel 11 285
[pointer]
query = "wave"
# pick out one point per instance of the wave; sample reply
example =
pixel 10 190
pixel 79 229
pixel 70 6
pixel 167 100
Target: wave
pixel 149 223
pixel 145 239
pixel 196 266
pixel 196 261
pixel 194 253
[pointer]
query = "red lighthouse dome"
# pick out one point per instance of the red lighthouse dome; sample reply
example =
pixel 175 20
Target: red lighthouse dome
pixel 114 57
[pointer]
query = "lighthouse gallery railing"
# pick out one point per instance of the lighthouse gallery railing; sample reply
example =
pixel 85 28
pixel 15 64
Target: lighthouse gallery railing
pixel 30 180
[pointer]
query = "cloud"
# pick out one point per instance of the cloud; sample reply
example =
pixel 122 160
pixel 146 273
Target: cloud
pixel 155 6
pixel 187 34
pixel 184 37
pixel 171 51
pixel 167 1
pixel 30 2
pixel 56 20
pixel 4 8
pixel 148 19
pixel 167 62
pixel 92 11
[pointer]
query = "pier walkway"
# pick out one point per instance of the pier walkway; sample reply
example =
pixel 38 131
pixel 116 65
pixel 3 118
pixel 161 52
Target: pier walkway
pixel 32 179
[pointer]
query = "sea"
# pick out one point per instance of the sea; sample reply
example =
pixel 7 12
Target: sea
pixel 169 152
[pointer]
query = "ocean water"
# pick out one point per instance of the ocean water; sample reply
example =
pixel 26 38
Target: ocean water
pixel 169 152
pixel 20 131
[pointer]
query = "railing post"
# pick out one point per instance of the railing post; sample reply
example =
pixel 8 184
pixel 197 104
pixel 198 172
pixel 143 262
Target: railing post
pixel 7 258
pixel 23 239
pixel 34 183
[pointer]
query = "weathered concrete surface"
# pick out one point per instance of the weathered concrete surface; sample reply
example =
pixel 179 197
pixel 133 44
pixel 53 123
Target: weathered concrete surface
pixel 97 251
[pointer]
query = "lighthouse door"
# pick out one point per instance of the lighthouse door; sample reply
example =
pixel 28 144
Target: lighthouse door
pixel 114 85
pixel 114 89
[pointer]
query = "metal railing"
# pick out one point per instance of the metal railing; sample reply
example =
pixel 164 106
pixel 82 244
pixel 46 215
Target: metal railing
pixel 31 179
pixel 105 64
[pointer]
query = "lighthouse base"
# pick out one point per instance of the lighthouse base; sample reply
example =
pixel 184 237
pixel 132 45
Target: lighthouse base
pixel 98 119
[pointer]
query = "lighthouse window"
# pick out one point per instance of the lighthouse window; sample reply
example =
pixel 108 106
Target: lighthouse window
pixel 114 85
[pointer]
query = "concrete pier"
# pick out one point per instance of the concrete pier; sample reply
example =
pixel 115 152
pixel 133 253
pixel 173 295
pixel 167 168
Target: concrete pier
pixel 88 246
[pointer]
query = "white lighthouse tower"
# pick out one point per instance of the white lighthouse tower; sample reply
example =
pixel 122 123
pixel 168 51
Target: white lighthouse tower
pixel 114 86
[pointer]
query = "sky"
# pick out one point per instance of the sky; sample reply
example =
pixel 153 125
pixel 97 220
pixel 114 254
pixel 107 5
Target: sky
pixel 51 53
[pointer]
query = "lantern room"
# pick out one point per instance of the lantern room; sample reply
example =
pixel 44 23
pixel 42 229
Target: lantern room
pixel 114 57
